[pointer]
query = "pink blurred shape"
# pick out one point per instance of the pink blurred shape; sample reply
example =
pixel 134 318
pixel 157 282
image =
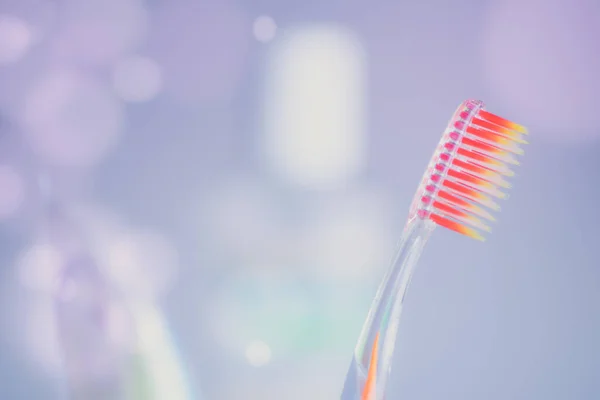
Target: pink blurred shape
pixel 542 59
pixel 143 264
pixel 70 119
pixel 264 28
pixel 15 38
pixel 201 47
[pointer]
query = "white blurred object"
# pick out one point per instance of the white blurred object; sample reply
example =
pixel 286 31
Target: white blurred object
pixel 12 191
pixel 16 36
pixel 161 362
pixel 69 119
pixel 264 29
pixel 552 83
pixel 258 353
pixel 315 107
pixel 137 79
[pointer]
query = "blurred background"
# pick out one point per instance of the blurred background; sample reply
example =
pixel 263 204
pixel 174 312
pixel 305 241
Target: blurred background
pixel 198 198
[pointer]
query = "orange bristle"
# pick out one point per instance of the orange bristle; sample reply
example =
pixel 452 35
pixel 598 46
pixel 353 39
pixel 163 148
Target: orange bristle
pixel 470 179
pixel 459 215
pixel 497 152
pixel 473 155
pixel 494 137
pixel 502 122
pixel 488 174
pixel 456 227
pixel 465 205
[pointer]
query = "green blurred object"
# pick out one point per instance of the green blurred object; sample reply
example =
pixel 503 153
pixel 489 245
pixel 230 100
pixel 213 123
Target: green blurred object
pixel 137 382
pixel 298 319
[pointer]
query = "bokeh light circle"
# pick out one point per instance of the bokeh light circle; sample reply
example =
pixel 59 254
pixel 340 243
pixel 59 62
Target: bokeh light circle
pixel 137 79
pixel 258 353
pixel 70 119
pixel 142 264
pixel 264 29
pixel 16 36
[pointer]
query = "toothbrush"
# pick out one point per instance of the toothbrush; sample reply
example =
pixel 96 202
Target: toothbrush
pixel 465 174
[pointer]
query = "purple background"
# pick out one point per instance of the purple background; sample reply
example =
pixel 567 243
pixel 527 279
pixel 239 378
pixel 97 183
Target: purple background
pixel 151 123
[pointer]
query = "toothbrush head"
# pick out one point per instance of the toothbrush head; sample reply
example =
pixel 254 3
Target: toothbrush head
pixel 468 170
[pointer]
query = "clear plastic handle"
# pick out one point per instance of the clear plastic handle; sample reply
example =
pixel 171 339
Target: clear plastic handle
pixel 371 363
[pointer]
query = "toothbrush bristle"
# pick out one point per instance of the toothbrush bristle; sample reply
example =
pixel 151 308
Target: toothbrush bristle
pixel 469 169
pixel 456 227
pixel 494 119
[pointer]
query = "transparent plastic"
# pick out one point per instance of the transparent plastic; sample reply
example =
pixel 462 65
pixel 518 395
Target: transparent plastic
pixel 371 363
